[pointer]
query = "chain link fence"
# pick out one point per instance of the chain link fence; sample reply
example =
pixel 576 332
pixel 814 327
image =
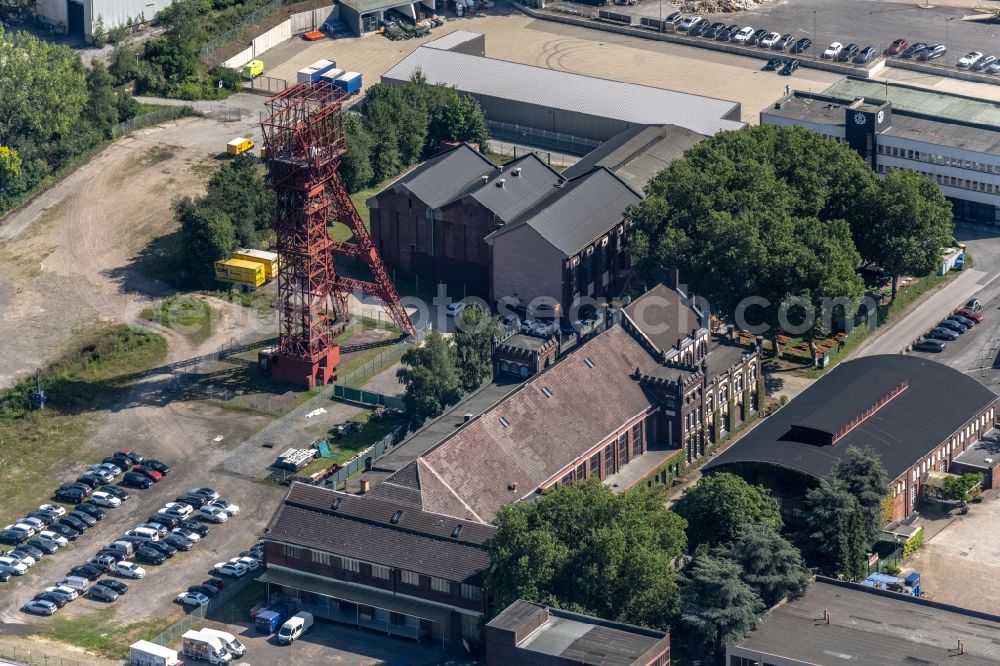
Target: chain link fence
pixel 30 657
pixel 371 366
pixel 365 459
pixel 250 22
pixel 196 618
pixel 152 118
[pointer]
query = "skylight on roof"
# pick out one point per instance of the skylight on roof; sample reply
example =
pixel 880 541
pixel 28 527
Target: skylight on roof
pixel 547 391
pixel 504 422
pixel 455 532
pixel 336 503
pixel 396 517
pixel 589 362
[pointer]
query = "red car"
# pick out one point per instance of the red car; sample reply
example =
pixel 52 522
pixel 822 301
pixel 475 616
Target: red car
pixel 971 314
pixel 150 474
pixel 897 47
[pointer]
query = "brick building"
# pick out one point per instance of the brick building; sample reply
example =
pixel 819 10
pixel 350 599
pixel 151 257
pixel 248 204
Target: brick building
pixel 524 355
pixel 530 634
pixel 379 565
pixel 915 414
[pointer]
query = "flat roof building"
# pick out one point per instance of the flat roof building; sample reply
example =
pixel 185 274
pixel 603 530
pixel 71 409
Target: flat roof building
pixel 836 623
pixel 952 140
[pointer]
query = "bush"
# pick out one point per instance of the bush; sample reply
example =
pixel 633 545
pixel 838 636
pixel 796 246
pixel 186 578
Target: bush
pixel 914 543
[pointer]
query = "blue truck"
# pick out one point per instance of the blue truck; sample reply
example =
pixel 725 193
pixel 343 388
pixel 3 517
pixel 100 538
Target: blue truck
pixel 269 620
pixel 349 82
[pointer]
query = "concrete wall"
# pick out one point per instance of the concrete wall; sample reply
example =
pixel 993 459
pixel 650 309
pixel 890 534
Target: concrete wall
pixel 944 70
pixel 526 265
pixel 295 25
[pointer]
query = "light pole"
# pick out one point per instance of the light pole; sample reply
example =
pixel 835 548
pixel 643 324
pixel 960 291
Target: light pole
pixel 815 36
pixel 947 36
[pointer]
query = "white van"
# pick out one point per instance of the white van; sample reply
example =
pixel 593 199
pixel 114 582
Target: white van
pixel 144 533
pixel 296 625
pixel 125 547
pixel 233 646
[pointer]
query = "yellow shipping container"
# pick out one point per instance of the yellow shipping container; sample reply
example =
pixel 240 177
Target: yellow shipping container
pixel 253 69
pixel 269 260
pixel 239 145
pixel 240 272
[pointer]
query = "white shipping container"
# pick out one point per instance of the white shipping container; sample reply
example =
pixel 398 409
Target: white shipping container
pixel 305 75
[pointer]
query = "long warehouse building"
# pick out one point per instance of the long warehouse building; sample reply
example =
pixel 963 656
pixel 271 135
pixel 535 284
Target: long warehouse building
pixel 558 110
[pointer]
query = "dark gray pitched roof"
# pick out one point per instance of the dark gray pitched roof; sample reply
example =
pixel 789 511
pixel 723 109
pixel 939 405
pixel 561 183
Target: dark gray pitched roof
pixel 937 402
pixel 525 181
pixel 444 177
pixel 578 211
pixel 638 154
pixel 664 316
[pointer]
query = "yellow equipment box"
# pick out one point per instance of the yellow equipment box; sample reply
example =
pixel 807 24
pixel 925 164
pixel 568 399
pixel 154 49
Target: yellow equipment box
pixel 252 69
pixel 269 260
pixel 239 145
pixel 240 272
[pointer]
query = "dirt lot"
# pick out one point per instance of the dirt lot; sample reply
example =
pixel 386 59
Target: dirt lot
pixel 519 38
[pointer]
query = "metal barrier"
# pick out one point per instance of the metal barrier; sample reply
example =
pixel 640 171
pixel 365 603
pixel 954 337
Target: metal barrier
pixel 369 398
pixel 266 85
pixel 564 143
pixel 152 118
pixel 372 365
pixel 31 657
pixel 366 458
pixel 172 634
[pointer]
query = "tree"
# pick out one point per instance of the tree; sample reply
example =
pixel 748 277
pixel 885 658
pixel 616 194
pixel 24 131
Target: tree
pixel 239 191
pixel 866 480
pixel 100 35
pixel 905 224
pixel 720 504
pixel 430 376
pixel 460 118
pixel 101 110
pixel 474 339
pixel 12 181
pixel 584 548
pixel 962 488
pixel 356 165
pixel 835 528
pixel 771 565
pixel 719 609
pixel 42 90
pixel 206 236
pixel 763 211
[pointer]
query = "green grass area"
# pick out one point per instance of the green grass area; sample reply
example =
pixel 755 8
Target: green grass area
pixel 346 447
pixel 98 633
pixel 35 443
pixel 258 299
pixel 187 315
pixel 359 360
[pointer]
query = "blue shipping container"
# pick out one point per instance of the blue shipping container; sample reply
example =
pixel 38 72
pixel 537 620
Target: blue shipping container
pixel 350 83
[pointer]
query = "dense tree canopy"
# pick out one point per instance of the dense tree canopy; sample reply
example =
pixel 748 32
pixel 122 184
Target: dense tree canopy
pixel 721 504
pixel 584 548
pixel 719 607
pixel 866 480
pixel 431 377
pixel 770 564
pixel 474 346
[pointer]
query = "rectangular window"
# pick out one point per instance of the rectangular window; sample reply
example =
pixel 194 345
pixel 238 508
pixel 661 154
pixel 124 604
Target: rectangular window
pixel 291 551
pixel 637 447
pixel 567 479
pixel 321 558
pixel 622 451
pixel 379 571
pixel 581 471
pixel 473 592
pixel 410 578
pixel 348 564
pixel 595 465
pixel 609 459
pixel 440 585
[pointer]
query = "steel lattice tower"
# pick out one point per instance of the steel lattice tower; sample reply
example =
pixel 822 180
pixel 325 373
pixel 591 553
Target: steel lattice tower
pixel 304 143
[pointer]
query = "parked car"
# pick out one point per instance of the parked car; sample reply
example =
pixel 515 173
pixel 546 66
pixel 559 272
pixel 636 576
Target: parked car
pixel 213 514
pixel 91 510
pixel 217 583
pixel 230 569
pixel 200 529
pixel 897 47
pixel 113 467
pixel 993 67
pixel 228 507
pixel 929 345
pixel 933 52
pixel 940 333
pixel 54 537
pixel 44 545
pixel 22 528
pixel 48 596
pixel 74 522
pixel 90 482
pixel 698 28
pixel 847 52
pixel 802 45
pixel 166 520
pixel 984 62
pixel 789 67
pixel 864 56
pixel 953 326
pixel 134 480
pixel 712 31
pixel 103 593
pixel 914 50
pixel 82 516
pixel 974 304
pixel 121 462
pixel 833 50
pixel 115 491
pixel 190 535
pixel 43 518
pixel 102 475
pixel 252 564
pixel 24 557
pixel 116 555
pixel 134 456
pixel 69 496
pixel 12 537
pixel 162 547
pixel 685 23
pixel 743 35
pixel 195 599
pixel 179 542
pixel 970 59
pixel 756 37
pixel 147 472
pixel 129 570
pixel 161 530
pixel 149 556
pixel 13 565
pixel 65 531
pixel 674 18
pixel 116 585
pixel 103 563
pixel 727 33
pixel 770 39
pixel 87 571
pixel 964 321
pixel 196 501
pixel 52 510
pixel 105 499
pixel 208 493
pixel 774 64
pixel 783 42
pixel 971 314
pixel 208 590
pixel 40 607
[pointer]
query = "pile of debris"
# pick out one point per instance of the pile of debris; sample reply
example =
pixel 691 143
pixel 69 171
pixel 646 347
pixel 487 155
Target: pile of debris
pixel 718 6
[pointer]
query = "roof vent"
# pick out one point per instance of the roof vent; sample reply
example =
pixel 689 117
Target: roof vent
pixel 336 503
pixel 516 172
pixel 589 362
pixel 396 517
pixel 500 183
pixel 777 105
pixel 547 391
pixel 504 422
pixel 467 417
pixel 455 532
pixel 486 179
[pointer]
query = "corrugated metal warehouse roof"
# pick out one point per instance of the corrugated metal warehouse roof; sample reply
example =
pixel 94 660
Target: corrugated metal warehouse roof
pixel 627 102
pixel 452 39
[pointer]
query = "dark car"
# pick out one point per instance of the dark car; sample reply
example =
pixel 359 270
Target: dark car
pixel 698 28
pixel 208 590
pixel 116 585
pixel 713 30
pixel 65 530
pixel 847 52
pixel 913 50
pixel 51 598
pixel 120 493
pixel 179 542
pixel 90 481
pixel 217 583
pixel 964 321
pixel 897 47
pixel 167 521
pixel 85 571
pixel 137 542
pixel 134 480
pixel 201 529
pixel 864 56
pixel 134 456
pixel 28 549
pixel 5 575
pixel 774 64
pixel 674 18
pixel 12 537
pixel 952 325
pixel 802 45
pixel 149 556
pixel 162 547
pixel 196 501
pixel 71 496
pixel 83 516
pixel 932 52
pixel 726 33
pixel 74 522
pixel 46 547
pixel 78 486
pixel 755 38
pixel 160 467
pixel 789 68
pixel 783 42
pixel 103 593
pixel 933 346
pixel 123 463
pixel 92 510
pixel 46 518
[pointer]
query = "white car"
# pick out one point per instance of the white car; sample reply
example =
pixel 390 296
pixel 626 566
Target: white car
pixel 101 498
pixel 34 522
pixel 250 563
pixel 195 599
pixel 129 570
pixel 107 467
pixel 970 59
pixel 833 50
pixel 228 507
pixel 687 22
pixel 455 309
pixel 67 593
pixel 235 570
pixel 13 566
pixel 53 538
pixel 193 537
pixel 213 514
pixel 177 509
pixel 100 473
pixel 743 35
pixel 40 607
pixel 53 509
pixel 770 39
pixel 23 558
pixel 22 527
